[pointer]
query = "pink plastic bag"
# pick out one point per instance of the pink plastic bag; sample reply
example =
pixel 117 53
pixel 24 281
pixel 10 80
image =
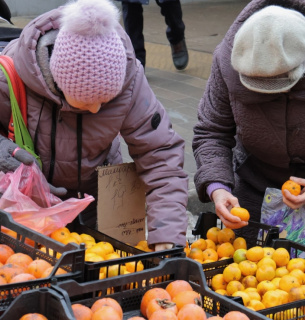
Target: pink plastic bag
pixel 26 196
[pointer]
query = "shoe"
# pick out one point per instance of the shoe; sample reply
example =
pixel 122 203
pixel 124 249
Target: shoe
pixel 180 55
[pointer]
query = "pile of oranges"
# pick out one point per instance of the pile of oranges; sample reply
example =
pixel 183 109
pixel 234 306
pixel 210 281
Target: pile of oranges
pixel 264 278
pixel 98 252
pixel 20 267
pixel 220 244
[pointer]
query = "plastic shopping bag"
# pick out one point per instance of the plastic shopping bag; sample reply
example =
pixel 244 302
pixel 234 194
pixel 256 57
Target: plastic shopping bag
pixel 26 196
pixel 276 213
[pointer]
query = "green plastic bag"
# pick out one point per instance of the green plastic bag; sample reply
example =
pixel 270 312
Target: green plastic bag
pixel 22 136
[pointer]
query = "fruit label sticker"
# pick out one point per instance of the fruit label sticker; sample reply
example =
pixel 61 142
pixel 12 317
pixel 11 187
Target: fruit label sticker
pixel 121 203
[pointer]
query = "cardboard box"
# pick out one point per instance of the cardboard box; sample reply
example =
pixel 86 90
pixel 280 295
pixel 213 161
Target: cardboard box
pixel 121 203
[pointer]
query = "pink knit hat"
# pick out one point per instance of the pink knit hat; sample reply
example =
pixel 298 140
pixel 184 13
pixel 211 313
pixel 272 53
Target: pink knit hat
pixel 88 62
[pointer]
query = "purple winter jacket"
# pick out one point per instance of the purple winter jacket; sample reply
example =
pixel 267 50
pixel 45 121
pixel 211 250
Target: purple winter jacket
pixel 243 139
pixel 158 151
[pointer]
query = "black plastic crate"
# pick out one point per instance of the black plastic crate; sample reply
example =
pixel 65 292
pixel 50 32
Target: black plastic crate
pixel 288 311
pixel 45 301
pixel 128 253
pixel 206 220
pixel 129 289
pixel 71 259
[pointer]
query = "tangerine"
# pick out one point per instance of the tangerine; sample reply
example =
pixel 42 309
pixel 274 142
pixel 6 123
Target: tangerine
pixel 249 281
pixel 253 294
pixel 242 213
pixel 296 263
pixel 20 259
pixel 231 272
pixel 110 302
pixel 49 270
pixel 5 252
pixel 210 244
pixel 33 316
pixel 218 282
pixel 281 257
pixel 255 253
pixel 225 249
pixel 240 243
pixel 293 187
pixel 187 297
pixel 226 235
pixel 234 286
pixel 210 254
pixel 256 305
pixel 60 234
pixel 247 268
pixel 176 286
pixel 281 271
pixel 266 261
pixel 287 282
pixel 272 298
pixel 264 286
pixel 153 294
pixel 265 272
pixel 106 313
pixel 158 304
pixel 212 234
pixel 163 314
pixel 244 295
pixel 37 267
pixel 81 312
pixel 191 312
pixel 199 243
pixel 134 266
pixel 22 277
pixel 235 315
pixel 9 271
pixel 296 294
pixel 196 253
pixel 268 251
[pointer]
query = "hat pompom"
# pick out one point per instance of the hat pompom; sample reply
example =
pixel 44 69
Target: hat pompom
pixel 90 17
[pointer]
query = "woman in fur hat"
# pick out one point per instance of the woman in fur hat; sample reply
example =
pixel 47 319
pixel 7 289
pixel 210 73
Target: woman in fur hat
pixel 84 86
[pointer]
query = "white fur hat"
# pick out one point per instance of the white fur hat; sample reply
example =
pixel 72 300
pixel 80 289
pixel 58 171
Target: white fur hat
pixel 269 50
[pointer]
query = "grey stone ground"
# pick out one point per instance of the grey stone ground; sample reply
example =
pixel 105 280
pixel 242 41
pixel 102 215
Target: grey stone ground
pixel 180 91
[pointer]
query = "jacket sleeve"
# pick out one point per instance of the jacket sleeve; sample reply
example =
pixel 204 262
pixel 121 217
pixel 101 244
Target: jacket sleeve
pixel 158 152
pixel 214 133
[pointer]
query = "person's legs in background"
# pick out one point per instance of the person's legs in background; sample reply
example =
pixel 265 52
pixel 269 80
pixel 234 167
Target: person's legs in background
pixel 5 11
pixel 133 24
pixel 172 12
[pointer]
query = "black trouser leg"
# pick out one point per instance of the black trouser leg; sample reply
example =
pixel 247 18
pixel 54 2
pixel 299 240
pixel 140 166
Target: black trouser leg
pixel 172 12
pixel 133 23
pixel 5 11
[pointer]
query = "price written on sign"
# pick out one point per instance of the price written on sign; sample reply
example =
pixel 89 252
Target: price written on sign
pixel 121 203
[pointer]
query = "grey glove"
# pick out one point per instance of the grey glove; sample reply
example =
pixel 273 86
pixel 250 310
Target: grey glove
pixel 10 162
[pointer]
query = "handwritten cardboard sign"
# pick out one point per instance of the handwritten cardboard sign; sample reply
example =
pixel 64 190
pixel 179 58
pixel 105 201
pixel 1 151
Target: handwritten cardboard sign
pixel 121 203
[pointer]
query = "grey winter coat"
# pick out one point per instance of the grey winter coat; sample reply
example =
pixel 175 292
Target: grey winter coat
pixel 157 150
pixel 246 140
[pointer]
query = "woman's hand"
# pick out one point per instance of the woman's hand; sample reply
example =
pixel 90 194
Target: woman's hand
pixel 295 202
pixel 224 202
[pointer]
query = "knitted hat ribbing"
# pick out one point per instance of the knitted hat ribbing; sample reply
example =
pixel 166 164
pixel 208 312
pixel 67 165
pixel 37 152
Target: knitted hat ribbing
pixel 269 50
pixel 88 62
